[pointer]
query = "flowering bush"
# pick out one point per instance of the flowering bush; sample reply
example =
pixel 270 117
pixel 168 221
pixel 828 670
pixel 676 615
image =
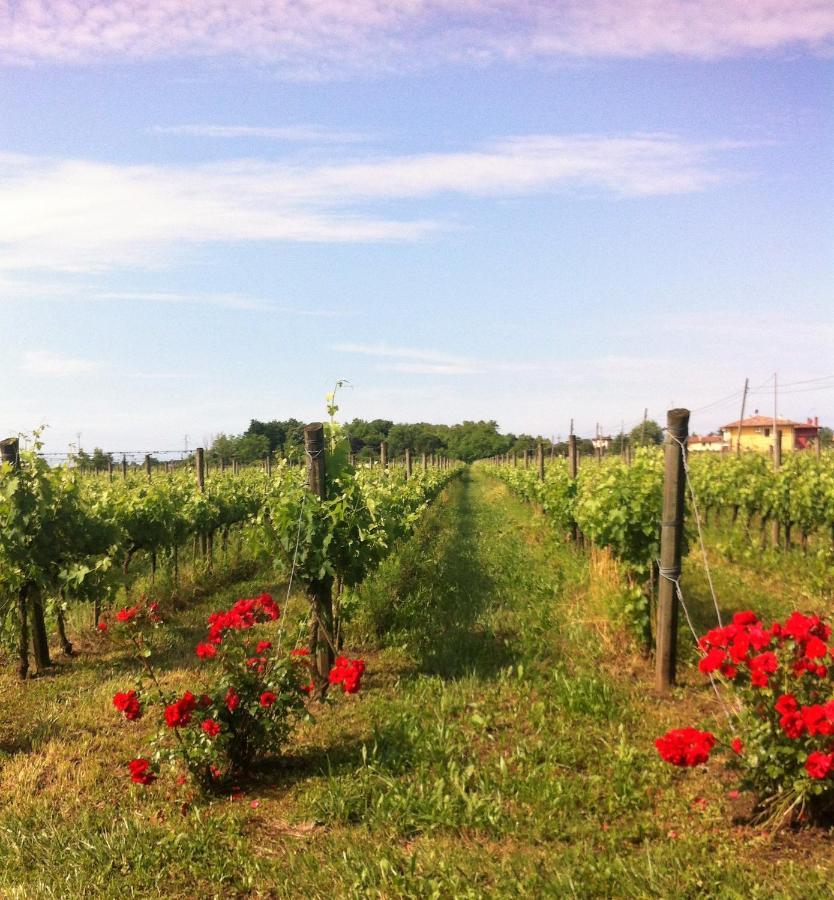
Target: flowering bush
pixel 245 709
pixel 782 712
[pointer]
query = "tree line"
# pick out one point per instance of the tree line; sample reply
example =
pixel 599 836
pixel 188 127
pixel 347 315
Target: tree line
pixel 466 441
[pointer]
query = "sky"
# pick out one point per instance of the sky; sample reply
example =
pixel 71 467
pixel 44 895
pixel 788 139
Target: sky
pixel 517 210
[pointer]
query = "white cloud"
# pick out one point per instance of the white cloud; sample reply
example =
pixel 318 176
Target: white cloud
pixel 44 363
pixel 308 134
pixel 331 37
pixel 74 215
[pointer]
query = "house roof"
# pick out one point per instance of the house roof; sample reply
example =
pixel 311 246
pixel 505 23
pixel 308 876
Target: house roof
pixel 706 439
pixel 761 421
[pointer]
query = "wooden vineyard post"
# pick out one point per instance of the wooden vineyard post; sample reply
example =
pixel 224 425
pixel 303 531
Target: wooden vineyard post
pixel 383 454
pixel 573 471
pixel 540 461
pixel 515 459
pixel 10 455
pixel 199 461
pixel 671 535
pixel 124 467
pixel 777 464
pixel 424 463
pixel 319 591
pixel 526 458
pixel 110 470
pixel 408 471
pixel 268 465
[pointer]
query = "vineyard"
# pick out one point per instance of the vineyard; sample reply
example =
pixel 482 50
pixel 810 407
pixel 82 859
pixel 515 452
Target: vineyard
pixel 407 679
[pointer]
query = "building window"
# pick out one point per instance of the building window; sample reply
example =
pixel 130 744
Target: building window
pixel 767 432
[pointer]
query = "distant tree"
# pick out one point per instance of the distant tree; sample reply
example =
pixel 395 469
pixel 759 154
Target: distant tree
pixel 826 436
pixel 100 459
pixel 476 440
pixel 654 434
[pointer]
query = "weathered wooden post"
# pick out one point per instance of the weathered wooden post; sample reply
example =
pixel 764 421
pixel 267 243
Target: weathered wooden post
pixel 424 463
pixel 540 461
pixel 319 591
pixel 110 470
pixel 383 454
pixel 573 471
pixel 268 465
pixel 777 464
pixel 200 463
pixel 671 535
pixel 124 467
pixel 408 471
pixel 526 458
pixel 10 455
pixel 515 459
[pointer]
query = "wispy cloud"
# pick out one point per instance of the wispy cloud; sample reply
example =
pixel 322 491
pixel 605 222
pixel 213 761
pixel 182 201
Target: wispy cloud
pixel 336 36
pixel 412 360
pixel 74 215
pixel 228 300
pixel 44 363
pixel 307 134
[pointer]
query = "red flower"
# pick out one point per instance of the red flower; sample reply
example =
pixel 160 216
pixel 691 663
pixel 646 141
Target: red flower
pixel 262 646
pixel 348 673
pixel 206 651
pixel 204 701
pixel 267 698
pixel 712 660
pixel 745 618
pixel 786 704
pixel 300 652
pixel 792 725
pixel 178 714
pixel 128 704
pixel 232 699
pixel 211 728
pixel 127 614
pixel 818 765
pixel 815 648
pixel 140 771
pixel 102 626
pixel 308 688
pixel 736 746
pixel 685 746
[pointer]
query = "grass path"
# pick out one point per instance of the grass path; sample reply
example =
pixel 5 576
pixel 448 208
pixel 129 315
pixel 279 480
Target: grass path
pixel 501 748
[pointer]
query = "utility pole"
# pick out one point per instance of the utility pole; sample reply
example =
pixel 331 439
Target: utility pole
pixel 741 419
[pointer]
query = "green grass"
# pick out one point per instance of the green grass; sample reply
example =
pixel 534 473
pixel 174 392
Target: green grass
pixel 501 747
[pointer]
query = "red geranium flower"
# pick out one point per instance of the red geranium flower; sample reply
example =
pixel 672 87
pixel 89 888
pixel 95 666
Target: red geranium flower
pixel 211 728
pixel 348 673
pixel 267 698
pixel 206 651
pixel 736 746
pixel 127 614
pixel 685 746
pixel 262 646
pixel 140 771
pixel 232 699
pixel 819 765
pixel 178 714
pixel 128 704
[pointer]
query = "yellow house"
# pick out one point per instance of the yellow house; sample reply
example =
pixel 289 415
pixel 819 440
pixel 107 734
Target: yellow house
pixel 757 434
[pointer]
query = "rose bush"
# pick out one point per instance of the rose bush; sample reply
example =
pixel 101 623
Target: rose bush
pixel 250 696
pixel 779 678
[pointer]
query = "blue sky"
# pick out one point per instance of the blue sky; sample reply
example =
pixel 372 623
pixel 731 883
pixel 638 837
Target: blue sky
pixel 528 212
